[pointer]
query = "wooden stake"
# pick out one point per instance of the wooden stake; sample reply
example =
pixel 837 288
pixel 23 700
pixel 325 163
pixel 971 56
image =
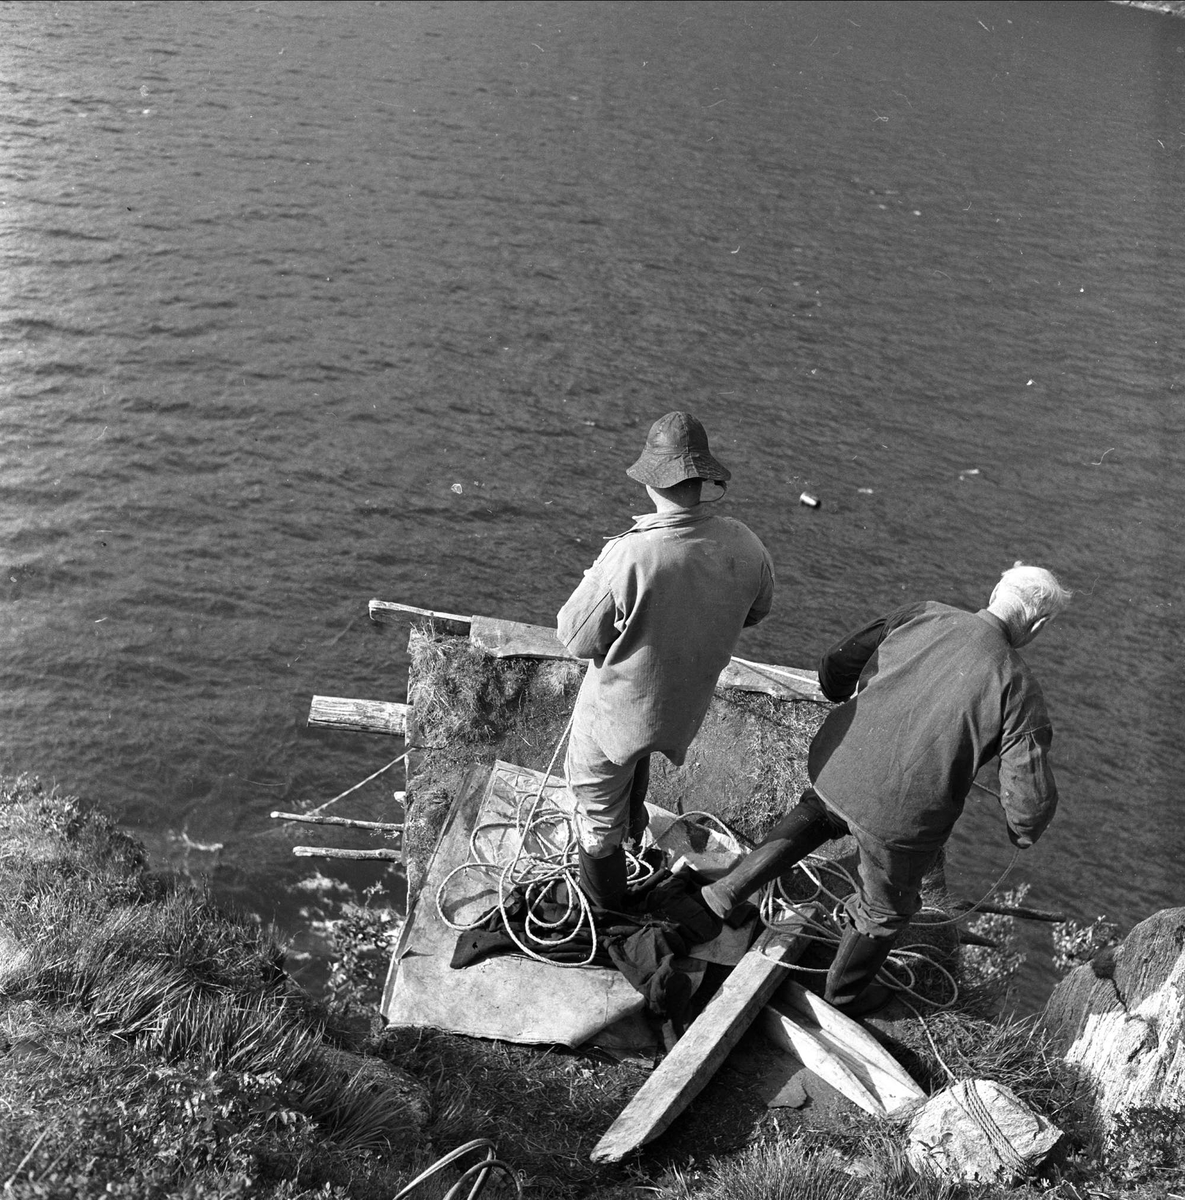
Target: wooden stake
pixel 1007 910
pixel 333 852
pixel 380 826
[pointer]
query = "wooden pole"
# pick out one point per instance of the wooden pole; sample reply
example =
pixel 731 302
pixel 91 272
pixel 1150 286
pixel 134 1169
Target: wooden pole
pixel 333 852
pixel 380 826
pixel 361 716
pixel 1008 910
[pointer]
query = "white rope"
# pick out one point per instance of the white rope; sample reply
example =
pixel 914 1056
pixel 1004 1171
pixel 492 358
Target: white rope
pixel 902 969
pixel 321 807
pixel 481 1169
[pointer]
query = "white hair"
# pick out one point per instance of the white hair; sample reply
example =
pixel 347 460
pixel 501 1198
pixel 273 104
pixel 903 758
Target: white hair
pixel 1026 593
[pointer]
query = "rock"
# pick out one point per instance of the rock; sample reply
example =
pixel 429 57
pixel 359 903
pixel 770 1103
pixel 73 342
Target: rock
pixel 978 1131
pixel 1120 1019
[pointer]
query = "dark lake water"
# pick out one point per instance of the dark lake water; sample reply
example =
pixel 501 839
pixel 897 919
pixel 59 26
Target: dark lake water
pixel 302 304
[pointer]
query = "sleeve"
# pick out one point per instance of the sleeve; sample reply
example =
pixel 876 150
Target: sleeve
pixel 841 665
pixel 587 622
pixel 765 596
pixel 1028 792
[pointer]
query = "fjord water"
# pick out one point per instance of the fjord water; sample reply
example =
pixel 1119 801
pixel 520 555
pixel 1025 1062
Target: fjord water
pixel 302 304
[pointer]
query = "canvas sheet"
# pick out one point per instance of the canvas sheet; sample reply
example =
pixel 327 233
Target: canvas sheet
pixel 511 997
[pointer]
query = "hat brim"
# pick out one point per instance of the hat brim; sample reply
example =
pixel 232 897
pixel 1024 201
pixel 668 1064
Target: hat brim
pixel 661 470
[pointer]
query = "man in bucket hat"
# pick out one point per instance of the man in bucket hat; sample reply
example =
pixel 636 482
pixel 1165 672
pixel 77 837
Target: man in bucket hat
pixel 658 616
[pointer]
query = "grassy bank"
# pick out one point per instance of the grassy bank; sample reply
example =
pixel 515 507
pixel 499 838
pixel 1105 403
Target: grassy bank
pixel 153 1046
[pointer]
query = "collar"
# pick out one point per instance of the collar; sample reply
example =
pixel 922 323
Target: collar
pixel 671 520
pixel 995 622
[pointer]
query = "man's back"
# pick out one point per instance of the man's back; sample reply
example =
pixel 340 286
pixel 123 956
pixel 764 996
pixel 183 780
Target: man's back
pixel 941 694
pixel 659 613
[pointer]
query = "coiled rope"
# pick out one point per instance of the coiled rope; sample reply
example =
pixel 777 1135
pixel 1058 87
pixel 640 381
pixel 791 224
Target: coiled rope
pixel 553 859
pixel 479 1172
pixel 904 965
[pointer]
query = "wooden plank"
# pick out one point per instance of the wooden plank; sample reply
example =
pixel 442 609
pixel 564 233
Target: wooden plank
pixel 700 1051
pixel 387 612
pixel 784 683
pixel 335 852
pixel 361 716
pixel 504 639
pixel 785 1031
pixel 877 1070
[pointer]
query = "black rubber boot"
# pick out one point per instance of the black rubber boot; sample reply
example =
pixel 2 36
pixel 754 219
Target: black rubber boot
pixel 804 829
pixel 639 817
pixel 603 879
pixel 851 985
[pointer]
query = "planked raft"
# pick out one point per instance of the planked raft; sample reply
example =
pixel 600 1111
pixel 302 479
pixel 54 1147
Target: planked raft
pixel 699 1052
pixel 361 716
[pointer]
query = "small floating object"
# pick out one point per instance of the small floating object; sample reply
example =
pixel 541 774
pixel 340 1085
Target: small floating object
pixel 810 501
pixel 864 491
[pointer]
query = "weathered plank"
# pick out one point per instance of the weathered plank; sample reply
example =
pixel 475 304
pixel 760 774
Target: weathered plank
pixel 335 852
pixel 784 1030
pixel 361 716
pixel 387 612
pixel 849 1035
pixel 784 683
pixel 839 1050
pixel 700 1051
pixel 506 638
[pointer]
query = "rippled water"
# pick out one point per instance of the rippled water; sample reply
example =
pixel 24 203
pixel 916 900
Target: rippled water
pixel 305 304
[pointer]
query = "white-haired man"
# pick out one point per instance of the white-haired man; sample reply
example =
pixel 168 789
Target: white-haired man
pixel 927 695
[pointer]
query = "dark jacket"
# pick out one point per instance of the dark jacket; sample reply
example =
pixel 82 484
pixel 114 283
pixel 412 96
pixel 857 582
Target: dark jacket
pixel 938 692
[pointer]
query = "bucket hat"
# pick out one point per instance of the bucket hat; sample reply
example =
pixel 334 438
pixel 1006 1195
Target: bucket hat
pixel 676 449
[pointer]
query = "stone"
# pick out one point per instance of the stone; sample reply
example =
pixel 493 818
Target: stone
pixel 1120 1019
pixel 979 1131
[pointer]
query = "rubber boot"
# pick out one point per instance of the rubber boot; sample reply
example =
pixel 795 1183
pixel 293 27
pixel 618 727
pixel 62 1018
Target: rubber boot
pixel 603 879
pixel 804 829
pixel 850 979
pixel 639 817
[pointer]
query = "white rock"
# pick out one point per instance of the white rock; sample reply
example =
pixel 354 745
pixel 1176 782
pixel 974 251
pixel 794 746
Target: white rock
pixel 978 1131
pixel 1122 1024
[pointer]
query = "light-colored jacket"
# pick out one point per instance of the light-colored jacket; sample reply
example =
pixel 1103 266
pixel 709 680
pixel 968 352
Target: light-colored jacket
pixel 659 614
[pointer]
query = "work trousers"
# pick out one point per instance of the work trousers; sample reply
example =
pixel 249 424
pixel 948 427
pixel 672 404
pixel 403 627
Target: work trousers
pixel 890 888
pixel 609 796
